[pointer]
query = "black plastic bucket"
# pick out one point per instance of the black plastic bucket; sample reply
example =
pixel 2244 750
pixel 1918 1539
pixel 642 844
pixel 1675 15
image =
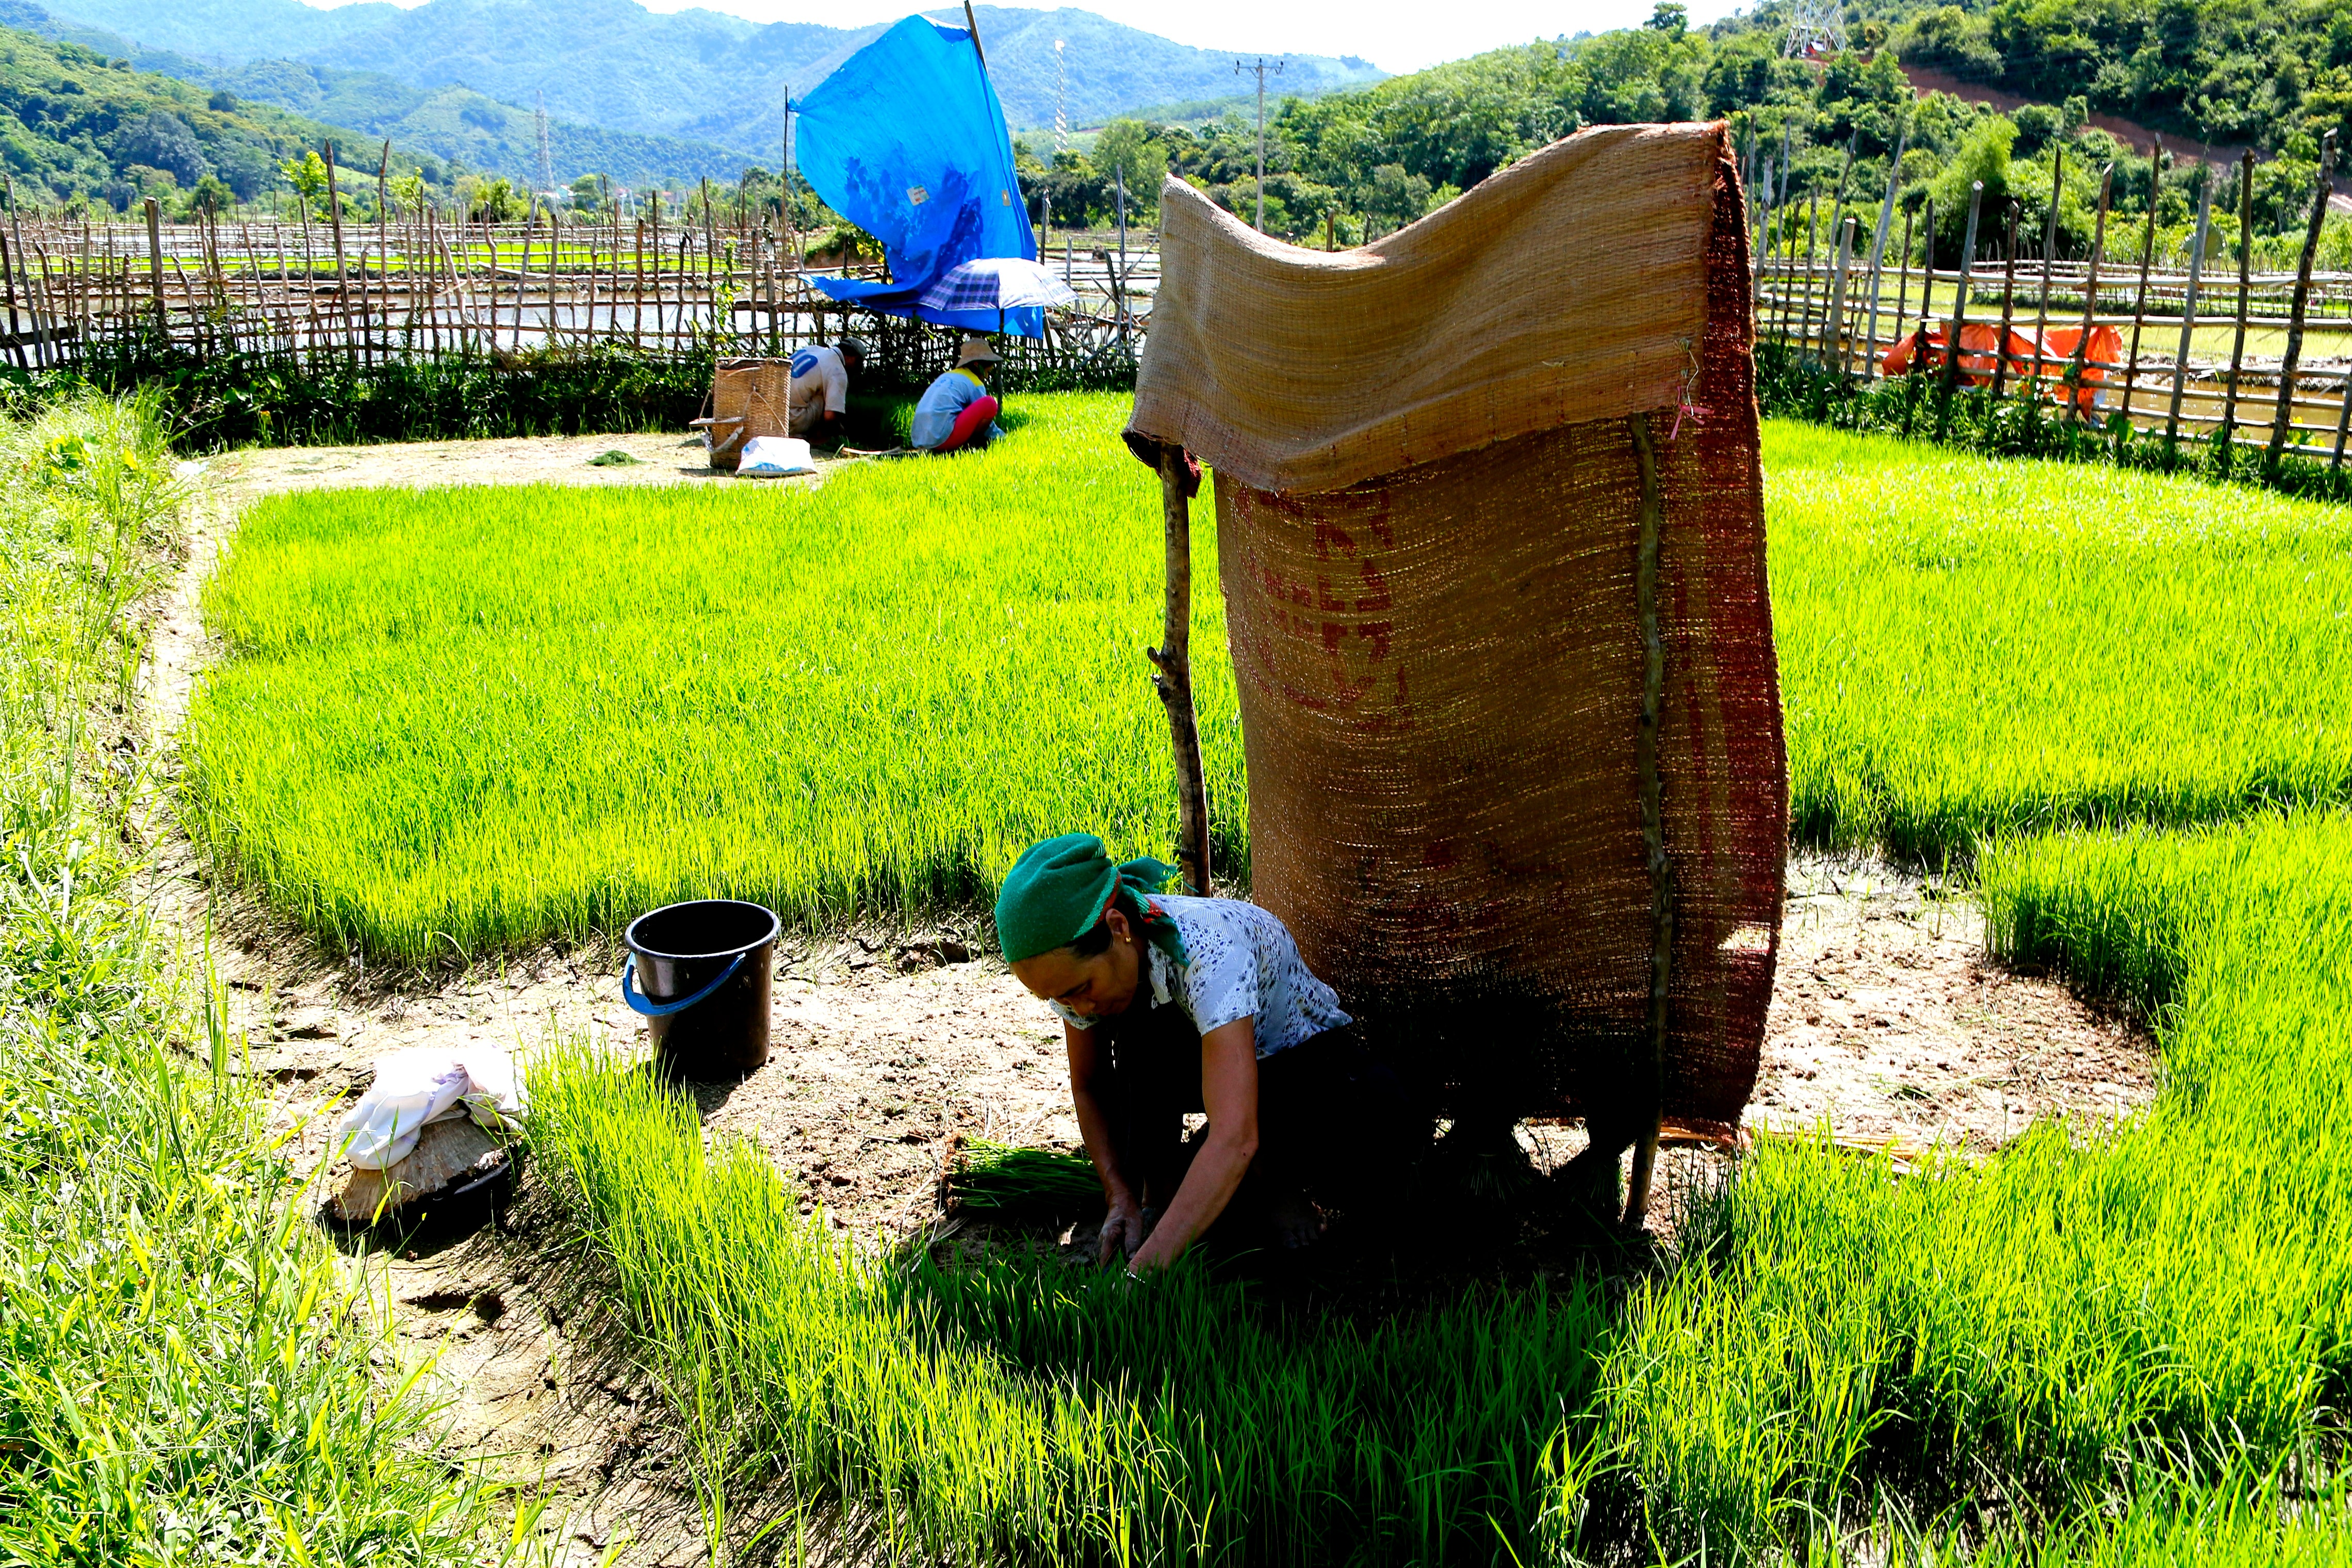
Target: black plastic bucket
pixel 700 974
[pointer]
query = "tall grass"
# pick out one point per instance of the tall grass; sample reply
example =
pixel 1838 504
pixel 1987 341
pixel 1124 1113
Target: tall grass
pixel 480 718
pixel 187 1371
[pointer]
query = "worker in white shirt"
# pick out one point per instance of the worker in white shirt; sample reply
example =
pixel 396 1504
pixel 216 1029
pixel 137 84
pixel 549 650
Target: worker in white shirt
pixel 821 375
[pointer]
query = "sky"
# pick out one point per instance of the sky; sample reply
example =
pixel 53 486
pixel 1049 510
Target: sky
pixel 1393 37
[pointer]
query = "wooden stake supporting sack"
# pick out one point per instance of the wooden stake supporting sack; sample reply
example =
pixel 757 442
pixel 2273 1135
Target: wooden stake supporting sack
pixel 1177 482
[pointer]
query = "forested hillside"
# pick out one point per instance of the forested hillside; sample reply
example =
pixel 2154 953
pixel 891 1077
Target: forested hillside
pixel 74 125
pixel 1360 162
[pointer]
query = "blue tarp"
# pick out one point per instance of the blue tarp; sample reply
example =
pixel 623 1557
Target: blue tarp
pixel 907 140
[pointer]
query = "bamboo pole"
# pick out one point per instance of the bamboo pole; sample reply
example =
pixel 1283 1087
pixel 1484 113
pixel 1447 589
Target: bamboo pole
pixel 1902 283
pixel 2300 304
pixel 155 263
pixel 1960 312
pixel 2139 299
pixel 2049 255
pixel 383 250
pixel 342 278
pixel 2245 262
pixel 2189 308
pixel 9 274
pixel 2343 426
pixel 523 272
pixel 2008 301
pixel 1878 248
pixel 22 264
pixel 2090 298
pixel 1834 343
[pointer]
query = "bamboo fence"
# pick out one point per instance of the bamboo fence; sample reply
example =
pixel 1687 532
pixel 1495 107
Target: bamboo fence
pixel 2209 350
pixel 418 284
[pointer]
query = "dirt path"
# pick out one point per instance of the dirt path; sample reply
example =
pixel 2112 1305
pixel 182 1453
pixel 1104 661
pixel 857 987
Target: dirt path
pixel 659 459
pixel 1889 1025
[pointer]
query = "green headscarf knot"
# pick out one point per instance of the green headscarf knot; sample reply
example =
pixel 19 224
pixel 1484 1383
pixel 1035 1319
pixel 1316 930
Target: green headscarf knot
pixel 1058 890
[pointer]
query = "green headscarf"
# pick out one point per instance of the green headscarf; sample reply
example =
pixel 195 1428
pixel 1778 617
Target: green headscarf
pixel 1058 890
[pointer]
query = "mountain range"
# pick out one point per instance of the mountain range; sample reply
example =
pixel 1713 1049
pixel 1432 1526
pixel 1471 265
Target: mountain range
pixel 694 76
pixel 452 124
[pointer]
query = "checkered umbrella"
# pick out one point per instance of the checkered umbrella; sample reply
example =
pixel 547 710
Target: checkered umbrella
pixel 996 283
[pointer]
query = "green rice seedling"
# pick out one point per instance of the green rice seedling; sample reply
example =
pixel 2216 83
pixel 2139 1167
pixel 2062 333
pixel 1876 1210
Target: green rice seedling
pixel 1009 1406
pixel 464 720
pixel 483 718
pixel 1970 648
pixel 991 1181
pixel 187 1371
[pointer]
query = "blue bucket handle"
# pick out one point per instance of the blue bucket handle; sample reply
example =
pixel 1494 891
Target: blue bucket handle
pixel 639 1003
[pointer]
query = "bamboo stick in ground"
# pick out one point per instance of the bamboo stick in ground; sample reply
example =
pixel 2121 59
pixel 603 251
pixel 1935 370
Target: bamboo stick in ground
pixel 638 292
pixel 2245 262
pixel 2343 425
pixel 2049 254
pixel 342 276
pixel 2188 310
pixel 8 277
pixel 1903 282
pixel 2295 308
pixel 2075 372
pixel 2008 301
pixel 2139 299
pixel 1878 250
pixel 1951 379
pixel 1833 335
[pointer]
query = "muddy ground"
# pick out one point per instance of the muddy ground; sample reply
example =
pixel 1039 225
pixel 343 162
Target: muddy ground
pixel 1889 1026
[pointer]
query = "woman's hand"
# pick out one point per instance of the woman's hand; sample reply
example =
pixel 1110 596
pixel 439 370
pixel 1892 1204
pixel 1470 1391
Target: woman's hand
pixel 1123 1228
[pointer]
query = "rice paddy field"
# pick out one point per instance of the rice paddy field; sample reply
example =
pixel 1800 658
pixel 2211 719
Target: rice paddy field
pixel 2117 706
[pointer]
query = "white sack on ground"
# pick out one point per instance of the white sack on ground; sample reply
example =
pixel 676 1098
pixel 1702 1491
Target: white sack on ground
pixel 414 1089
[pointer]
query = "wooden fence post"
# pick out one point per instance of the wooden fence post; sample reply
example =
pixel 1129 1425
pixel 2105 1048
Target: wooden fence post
pixel 2296 306
pixel 155 261
pixel 2343 425
pixel 2082 357
pixel 2139 299
pixel 1902 284
pixel 2188 308
pixel 343 275
pixel 1951 378
pixel 1878 251
pixel 1833 327
pixel 2049 254
pixel 2008 300
pixel 2245 283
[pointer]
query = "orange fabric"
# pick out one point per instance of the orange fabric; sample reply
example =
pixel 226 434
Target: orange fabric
pixel 1980 344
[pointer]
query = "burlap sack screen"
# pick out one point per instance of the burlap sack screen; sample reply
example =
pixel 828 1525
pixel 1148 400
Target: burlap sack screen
pixel 747 400
pixel 1430 489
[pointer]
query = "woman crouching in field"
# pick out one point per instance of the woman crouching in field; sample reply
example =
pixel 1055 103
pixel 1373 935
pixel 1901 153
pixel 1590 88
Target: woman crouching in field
pixel 1173 1005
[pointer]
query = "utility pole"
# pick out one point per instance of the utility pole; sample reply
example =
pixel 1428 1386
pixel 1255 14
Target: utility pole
pixel 1061 98
pixel 546 159
pixel 1259 67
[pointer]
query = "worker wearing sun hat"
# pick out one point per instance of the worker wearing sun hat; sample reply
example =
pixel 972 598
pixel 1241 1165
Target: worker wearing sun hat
pixel 956 411
pixel 1173 1004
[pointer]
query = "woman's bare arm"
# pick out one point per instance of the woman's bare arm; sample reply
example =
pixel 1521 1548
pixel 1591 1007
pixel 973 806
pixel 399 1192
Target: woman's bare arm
pixel 1123 1228
pixel 1229 1092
